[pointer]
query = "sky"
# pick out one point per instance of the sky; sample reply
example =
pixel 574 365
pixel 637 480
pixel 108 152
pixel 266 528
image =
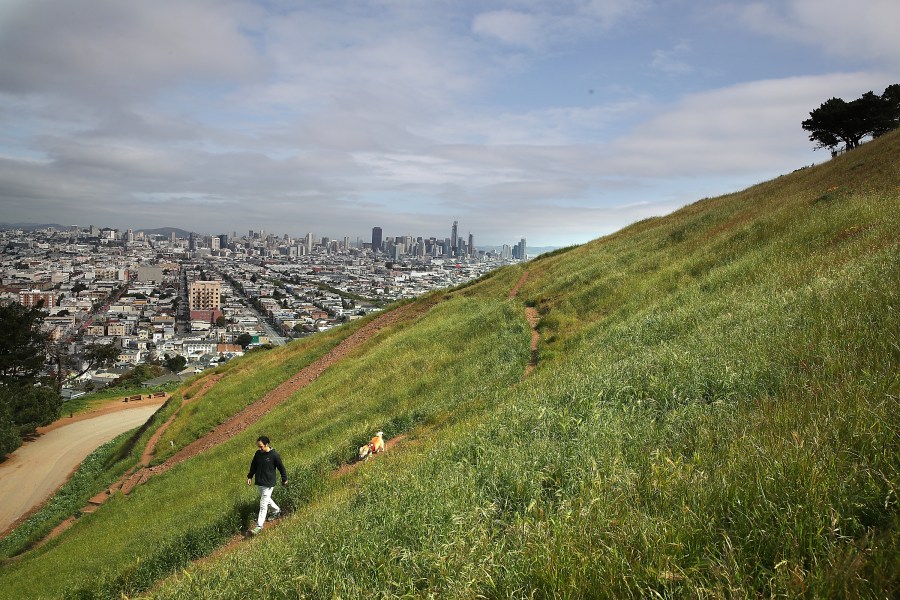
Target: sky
pixel 557 121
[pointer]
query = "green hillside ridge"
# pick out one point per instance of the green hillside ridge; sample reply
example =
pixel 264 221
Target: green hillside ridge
pixel 715 412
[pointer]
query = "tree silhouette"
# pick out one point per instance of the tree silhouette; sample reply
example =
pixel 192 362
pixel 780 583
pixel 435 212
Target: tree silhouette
pixel 837 121
pixel 25 402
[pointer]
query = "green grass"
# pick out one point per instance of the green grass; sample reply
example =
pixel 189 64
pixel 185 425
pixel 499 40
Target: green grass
pixel 243 381
pixel 95 400
pixel 715 413
pixel 202 502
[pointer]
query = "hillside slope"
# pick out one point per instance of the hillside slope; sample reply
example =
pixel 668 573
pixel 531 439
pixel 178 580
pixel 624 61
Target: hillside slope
pixel 715 411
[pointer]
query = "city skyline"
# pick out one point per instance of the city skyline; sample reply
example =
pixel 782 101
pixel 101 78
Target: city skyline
pixel 130 234
pixel 555 121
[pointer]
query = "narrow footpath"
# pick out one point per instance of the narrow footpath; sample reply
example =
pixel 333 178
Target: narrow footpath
pixel 531 314
pixel 252 413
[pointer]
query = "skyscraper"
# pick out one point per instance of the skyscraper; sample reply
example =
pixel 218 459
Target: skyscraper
pixel 453 239
pixel 376 239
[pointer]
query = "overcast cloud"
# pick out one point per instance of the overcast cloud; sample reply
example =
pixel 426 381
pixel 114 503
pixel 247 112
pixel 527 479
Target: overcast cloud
pixel 555 121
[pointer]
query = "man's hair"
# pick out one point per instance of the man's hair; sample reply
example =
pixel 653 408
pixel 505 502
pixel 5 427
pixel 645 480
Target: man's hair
pixel 264 439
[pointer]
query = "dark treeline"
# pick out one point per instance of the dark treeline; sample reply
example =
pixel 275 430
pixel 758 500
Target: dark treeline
pixel 838 122
pixel 27 399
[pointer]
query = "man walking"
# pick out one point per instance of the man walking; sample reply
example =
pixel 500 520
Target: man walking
pixel 263 466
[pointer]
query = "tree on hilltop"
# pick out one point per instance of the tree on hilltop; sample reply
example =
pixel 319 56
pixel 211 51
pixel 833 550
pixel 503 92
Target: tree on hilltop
pixel 837 121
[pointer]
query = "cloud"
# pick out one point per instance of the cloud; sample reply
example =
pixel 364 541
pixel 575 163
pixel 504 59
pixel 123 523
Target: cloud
pixel 103 50
pixel 543 24
pixel 510 27
pixel 854 30
pixel 672 61
pixel 334 117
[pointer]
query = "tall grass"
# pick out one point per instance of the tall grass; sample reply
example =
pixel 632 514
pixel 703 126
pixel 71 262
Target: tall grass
pixel 197 505
pixel 714 414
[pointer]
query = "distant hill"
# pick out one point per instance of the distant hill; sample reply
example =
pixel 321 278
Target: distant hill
pixel 37 226
pixel 700 402
pixel 166 231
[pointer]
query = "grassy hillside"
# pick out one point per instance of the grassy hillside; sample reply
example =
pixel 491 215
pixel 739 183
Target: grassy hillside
pixel 715 413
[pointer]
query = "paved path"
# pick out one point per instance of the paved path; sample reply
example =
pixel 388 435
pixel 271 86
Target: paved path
pixel 35 471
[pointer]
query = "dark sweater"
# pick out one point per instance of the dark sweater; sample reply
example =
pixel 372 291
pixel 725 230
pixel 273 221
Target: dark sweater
pixel 263 466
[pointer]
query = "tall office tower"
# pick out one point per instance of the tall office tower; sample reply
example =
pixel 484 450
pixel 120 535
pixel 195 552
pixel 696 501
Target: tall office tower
pixel 453 239
pixel 215 243
pixel 376 239
pixel 346 242
pixel 523 251
pixel 223 241
pixel 172 237
pixel 309 243
pixel 471 245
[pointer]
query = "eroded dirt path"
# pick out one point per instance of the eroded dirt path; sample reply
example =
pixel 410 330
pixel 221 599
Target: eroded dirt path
pixel 533 318
pixel 515 289
pixel 531 314
pixel 252 413
pixel 249 415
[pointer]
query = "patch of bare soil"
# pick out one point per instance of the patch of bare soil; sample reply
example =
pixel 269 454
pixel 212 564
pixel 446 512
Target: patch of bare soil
pixel 531 314
pixel 515 289
pixel 353 465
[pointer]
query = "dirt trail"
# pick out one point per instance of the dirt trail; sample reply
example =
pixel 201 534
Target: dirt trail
pixel 533 318
pixel 249 415
pixel 99 499
pixel 150 450
pixel 515 289
pixel 252 413
pixel 531 314
pixel 237 538
pixel 35 471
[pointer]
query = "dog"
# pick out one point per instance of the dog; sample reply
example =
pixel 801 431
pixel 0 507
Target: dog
pixel 364 452
pixel 375 446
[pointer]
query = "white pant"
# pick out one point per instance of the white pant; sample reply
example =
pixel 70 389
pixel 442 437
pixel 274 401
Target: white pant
pixel 265 500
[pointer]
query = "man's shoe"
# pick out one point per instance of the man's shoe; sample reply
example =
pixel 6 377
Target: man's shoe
pixel 255 530
pixel 273 515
